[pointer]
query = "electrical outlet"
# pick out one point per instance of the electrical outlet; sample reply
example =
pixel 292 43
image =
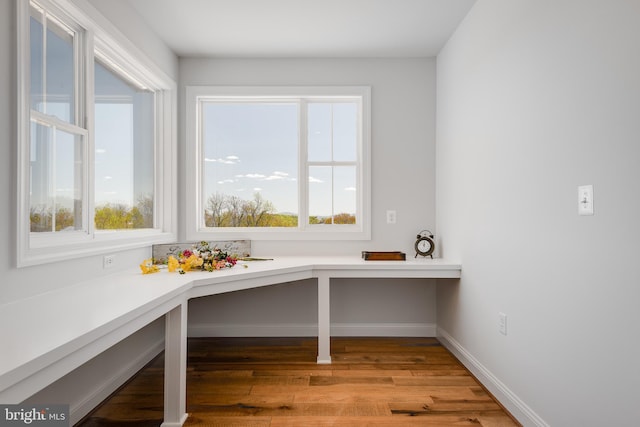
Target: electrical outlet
pixel 502 323
pixel 108 261
pixel 391 217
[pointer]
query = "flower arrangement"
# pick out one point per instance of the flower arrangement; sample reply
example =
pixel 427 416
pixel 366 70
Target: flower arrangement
pixel 200 257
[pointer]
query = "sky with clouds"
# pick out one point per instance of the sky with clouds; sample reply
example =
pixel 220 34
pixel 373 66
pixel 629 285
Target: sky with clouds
pixel 251 148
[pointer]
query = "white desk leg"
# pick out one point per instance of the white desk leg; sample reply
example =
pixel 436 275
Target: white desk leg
pixel 175 367
pixel 324 322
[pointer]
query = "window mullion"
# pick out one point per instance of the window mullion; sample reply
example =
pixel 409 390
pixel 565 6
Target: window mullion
pixel 158 153
pixel 88 110
pixel 333 169
pixel 45 20
pixel 47 120
pixel 200 200
pixel 52 183
pixel 303 165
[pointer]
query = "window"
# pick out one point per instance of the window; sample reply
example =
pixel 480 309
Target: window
pixel 124 151
pixel 278 163
pixel 58 145
pixel 95 139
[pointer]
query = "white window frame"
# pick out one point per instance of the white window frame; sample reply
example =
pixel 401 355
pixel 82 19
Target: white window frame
pixel 195 229
pixel 100 38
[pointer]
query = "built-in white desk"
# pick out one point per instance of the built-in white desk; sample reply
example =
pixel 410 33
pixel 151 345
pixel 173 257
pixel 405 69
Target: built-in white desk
pixel 48 336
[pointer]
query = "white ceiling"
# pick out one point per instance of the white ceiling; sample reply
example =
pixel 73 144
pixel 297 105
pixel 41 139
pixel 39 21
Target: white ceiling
pixel 303 28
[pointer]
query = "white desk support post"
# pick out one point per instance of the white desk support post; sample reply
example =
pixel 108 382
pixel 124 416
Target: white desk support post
pixel 324 318
pixel 175 367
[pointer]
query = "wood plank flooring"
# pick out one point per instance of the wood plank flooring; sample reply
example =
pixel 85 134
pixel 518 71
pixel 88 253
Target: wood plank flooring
pixel 275 382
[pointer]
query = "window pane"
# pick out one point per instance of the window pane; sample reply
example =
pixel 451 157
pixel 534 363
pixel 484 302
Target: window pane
pixel 250 164
pixel 52 68
pixel 320 198
pixel 124 154
pixel 344 194
pixel 56 180
pixel 345 131
pixel 37 64
pixel 332 195
pixel 332 131
pixel 319 132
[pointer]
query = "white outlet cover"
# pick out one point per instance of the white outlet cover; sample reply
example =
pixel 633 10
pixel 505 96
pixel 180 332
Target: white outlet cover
pixel 107 261
pixel 391 217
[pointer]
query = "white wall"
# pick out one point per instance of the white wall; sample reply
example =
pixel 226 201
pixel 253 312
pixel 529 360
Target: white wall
pixel 403 179
pixel 403 133
pixel 534 99
pixel 16 284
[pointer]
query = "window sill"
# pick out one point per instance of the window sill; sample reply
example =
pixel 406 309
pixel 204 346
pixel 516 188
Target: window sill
pixel 105 243
pixel 350 233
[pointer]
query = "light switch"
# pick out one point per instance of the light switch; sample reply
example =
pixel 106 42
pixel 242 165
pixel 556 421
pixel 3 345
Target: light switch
pixel 585 200
pixel 502 323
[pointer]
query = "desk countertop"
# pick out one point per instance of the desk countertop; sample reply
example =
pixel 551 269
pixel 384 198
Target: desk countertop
pixel 39 331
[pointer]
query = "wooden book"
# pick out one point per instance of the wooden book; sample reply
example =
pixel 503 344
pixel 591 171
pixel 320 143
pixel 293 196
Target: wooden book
pixel 384 256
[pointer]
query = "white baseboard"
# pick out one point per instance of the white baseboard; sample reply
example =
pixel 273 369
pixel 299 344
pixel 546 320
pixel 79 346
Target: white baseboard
pixel 102 391
pixel 311 330
pixel 177 424
pixel 509 399
pixel 383 330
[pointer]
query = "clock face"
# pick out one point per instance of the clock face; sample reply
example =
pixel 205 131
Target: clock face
pixel 424 245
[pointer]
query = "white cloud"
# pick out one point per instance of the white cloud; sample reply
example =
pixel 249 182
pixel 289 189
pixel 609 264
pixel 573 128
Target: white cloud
pixel 107 178
pixel 278 175
pixel 257 189
pixel 229 160
pixel 312 179
pixel 350 189
pixel 275 176
pixel 100 151
pixel 226 181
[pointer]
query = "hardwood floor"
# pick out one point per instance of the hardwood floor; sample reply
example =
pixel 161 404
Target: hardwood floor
pixel 260 382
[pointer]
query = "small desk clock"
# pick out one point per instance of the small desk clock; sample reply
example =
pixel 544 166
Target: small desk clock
pixel 424 244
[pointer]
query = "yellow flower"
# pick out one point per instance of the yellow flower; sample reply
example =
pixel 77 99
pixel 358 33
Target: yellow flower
pixel 148 267
pixel 173 264
pixel 193 261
